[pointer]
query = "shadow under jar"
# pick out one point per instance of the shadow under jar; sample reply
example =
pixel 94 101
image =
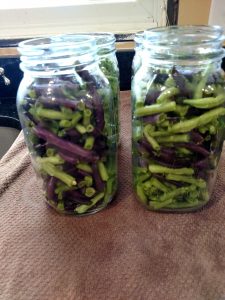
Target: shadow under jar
pixel 178 117
pixel 65 107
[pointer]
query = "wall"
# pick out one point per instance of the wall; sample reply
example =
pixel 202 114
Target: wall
pixel 195 12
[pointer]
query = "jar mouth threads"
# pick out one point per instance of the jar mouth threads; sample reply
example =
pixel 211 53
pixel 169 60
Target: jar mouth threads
pixel 62 51
pixel 105 41
pixel 185 45
pixel 60 42
pixel 185 35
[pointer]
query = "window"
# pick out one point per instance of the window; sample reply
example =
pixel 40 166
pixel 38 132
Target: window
pixel 217 13
pixel 27 18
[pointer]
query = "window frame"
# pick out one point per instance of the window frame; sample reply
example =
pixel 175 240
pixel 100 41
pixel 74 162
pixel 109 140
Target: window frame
pixel 125 16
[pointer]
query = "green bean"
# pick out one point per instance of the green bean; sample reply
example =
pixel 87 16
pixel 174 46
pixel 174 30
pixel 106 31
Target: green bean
pixel 183 151
pixel 155 109
pixel 65 123
pixel 182 110
pixel 159 185
pixel 198 182
pixel 50 152
pixel 89 192
pixel 51 170
pixel 206 103
pixel 90 128
pixel 52 114
pixel 102 171
pixel 200 86
pixel 81 106
pixel 60 206
pixel 84 166
pixel 32 94
pixel 89 142
pixel 180 205
pixel 160 133
pixel 80 128
pixel 150 139
pixel 143 177
pixel 188 125
pixel 167 94
pixel 60 189
pixel 170 82
pixel 84 207
pixel 82 184
pixel 55 160
pixel 109 189
pixel 88 180
pixel 76 118
pixel 164 170
pixel 158 205
pixel 179 138
pixel 178 192
pixel 141 194
pixel 86 117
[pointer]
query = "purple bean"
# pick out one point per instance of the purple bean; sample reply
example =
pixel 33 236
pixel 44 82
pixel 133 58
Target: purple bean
pixel 160 77
pixel 73 133
pixel 162 178
pixel 30 117
pixel 151 96
pixel 76 150
pixel 173 119
pixel 173 163
pixel 67 156
pixel 96 132
pixel 196 137
pixel 143 162
pixel 55 101
pixel 50 88
pixel 98 181
pixel 202 164
pixel 99 111
pixel 167 155
pixel 141 149
pixel 181 83
pixel 51 188
pixel 76 197
pixel 146 145
pixel 151 119
pixel 194 148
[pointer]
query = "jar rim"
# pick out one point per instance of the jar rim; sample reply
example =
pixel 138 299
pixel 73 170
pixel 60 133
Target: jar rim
pixel 139 37
pixel 185 35
pixel 103 38
pixel 59 42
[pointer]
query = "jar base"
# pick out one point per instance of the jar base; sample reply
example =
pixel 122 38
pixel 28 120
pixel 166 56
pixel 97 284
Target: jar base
pixel 175 210
pixel 72 213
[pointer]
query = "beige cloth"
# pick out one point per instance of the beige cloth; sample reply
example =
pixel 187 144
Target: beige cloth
pixel 123 252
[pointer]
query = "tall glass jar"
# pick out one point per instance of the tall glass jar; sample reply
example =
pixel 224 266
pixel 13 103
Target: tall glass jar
pixel 178 117
pixel 65 107
pixel 138 39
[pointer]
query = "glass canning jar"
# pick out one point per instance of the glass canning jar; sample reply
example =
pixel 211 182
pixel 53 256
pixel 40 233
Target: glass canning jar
pixel 65 107
pixel 178 117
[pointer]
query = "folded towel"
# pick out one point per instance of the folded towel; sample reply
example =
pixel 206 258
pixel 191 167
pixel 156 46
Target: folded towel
pixel 123 252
